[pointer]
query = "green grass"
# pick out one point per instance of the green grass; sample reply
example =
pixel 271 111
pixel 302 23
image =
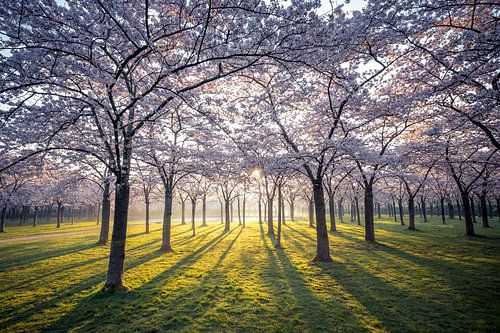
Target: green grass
pixel 13 229
pixel 430 280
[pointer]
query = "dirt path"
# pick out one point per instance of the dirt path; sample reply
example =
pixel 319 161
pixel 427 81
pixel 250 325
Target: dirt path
pixel 26 238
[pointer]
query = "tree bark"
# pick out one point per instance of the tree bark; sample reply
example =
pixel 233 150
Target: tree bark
pixel 2 218
pixel 484 211
pixel 331 205
pixel 424 208
pixel 193 213
pixel 292 210
pixel 166 245
pixel 244 210
pixel 280 212
pixel 147 216
pixel 260 211
pixel 472 209
pixel 227 227
pixel 459 209
pixel 469 224
pixel 401 214
pixel 378 211
pixel 270 226
pixel 311 213
pixel 442 210
pixel 183 211
pixel 411 213
pixel 116 265
pixel 369 218
pixel 239 210
pixel 204 210
pixel 358 215
pixel 322 245
pixel 35 217
pixel 106 213
pixel 59 209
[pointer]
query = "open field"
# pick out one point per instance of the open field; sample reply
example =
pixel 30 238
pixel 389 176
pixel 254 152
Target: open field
pixel 430 280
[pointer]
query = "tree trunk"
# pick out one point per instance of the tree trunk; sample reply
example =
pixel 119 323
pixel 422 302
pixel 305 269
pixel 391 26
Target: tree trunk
pixel 442 210
pixel 204 210
pixel 147 217
pixel 239 211
pixel 341 210
pixel 490 209
pixel 116 265
pixel 451 210
pixel 270 226
pixel 193 213
pixel 401 214
pixel 322 245
pixel 378 211
pixel 283 220
pixel 484 211
pixel 59 209
pixel 331 206
pixel 472 209
pixel 98 213
pixel 2 218
pixel 183 212
pixel 369 218
pixel 469 224
pixel 394 210
pixel 260 211
pixel 311 213
pixel 459 209
pixel 227 227
pixel 221 212
pixel 292 210
pixel 498 207
pixel 280 211
pixel 424 208
pixel 358 215
pixel 106 213
pixel 166 245
pixel 244 210
pixel 411 213
pixel 35 217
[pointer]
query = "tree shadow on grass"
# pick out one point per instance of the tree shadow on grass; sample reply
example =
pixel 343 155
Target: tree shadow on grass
pixel 111 312
pixel 432 306
pixel 303 308
pixel 36 255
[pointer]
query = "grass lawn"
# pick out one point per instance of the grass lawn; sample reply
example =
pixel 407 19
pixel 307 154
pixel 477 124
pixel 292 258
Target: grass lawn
pixel 430 280
pixel 13 229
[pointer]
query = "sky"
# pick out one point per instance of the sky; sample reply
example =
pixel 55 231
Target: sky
pixel 351 6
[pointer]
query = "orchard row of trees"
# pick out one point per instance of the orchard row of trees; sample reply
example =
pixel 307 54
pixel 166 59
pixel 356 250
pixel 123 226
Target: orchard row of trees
pixel 397 103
